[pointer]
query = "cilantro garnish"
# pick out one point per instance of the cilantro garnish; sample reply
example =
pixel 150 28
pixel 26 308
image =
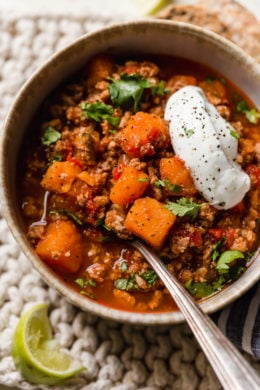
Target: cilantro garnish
pixel 50 136
pixel 234 134
pixel 68 214
pixel 88 294
pixel 242 106
pixel 188 132
pixel 184 207
pixel 216 251
pixel 83 282
pixel 126 284
pixel 129 284
pixel 143 179
pixel 252 114
pixel 150 276
pixel 123 266
pixel 226 272
pixel 174 188
pixel 127 92
pixel 98 112
pixel 226 258
pixel 210 79
pixel 159 183
pixel 199 290
pixel 159 89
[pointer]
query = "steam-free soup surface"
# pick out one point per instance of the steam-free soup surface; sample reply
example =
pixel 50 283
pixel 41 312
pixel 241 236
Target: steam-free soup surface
pixel 98 168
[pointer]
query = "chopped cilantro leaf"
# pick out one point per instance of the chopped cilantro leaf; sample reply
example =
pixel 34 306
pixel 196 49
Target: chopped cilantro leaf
pixel 99 222
pixel 216 251
pixel 159 89
pixel 210 79
pixel 174 188
pixel 242 106
pixel 184 207
pixel 234 134
pixel 188 132
pixel 88 294
pixel 98 112
pixel 159 183
pixel 143 179
pixel 129 284
pixel 199 290
pixel 68 214
pixel 226 258
pixel 50 136
pixel 83 282
pixel 127 92
pixel 252 114
pixel 126 284
pixel 123 266
pixel 150 276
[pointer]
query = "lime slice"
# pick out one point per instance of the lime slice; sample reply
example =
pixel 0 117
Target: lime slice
pixel 150 7
pixel 36 355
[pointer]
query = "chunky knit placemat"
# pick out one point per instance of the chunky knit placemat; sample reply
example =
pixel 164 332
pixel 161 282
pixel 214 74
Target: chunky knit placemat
pixel 117 356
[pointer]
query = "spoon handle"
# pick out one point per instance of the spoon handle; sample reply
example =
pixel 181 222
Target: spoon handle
pixel 229 365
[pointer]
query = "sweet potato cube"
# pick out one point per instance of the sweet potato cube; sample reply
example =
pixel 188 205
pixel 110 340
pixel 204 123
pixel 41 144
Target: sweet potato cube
pixel 60 176
pixel 144 134
pixel 130 186
pixel 88 178
pixel 61 247
pixel 99 68
pixel 150 220
pixel 180 180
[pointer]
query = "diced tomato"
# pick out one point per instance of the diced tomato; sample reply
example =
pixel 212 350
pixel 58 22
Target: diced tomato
pixel 196 238
pixel 228 233
pixel 216 233
pixel 131 69
pixel 117 171
pixel 254 172
pixel 73 160
pixel 230 236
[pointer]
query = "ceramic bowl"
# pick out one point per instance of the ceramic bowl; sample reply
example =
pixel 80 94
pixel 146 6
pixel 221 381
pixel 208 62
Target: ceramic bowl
pixel 149 36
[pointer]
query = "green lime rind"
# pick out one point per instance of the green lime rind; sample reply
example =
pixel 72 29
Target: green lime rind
pixel 151 7
pixel 36 355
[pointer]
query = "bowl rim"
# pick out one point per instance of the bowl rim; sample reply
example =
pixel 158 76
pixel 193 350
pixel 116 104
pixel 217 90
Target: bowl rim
pixel 215 302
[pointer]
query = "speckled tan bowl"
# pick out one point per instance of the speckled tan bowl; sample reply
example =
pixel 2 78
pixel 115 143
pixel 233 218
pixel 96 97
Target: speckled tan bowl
pixel 148 36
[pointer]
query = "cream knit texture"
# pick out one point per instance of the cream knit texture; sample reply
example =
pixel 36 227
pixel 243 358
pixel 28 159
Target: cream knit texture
pixel 117 356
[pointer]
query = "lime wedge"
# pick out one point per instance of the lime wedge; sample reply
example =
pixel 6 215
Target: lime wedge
pixel 150 7
pixel 36 355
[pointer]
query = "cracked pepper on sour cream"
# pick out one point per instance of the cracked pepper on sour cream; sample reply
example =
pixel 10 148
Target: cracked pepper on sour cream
pixel 208 145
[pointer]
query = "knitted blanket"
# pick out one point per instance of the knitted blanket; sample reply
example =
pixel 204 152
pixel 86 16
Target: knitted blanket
pixel 117 356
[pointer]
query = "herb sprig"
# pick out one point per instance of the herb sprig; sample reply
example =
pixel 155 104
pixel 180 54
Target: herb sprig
pixel 252 114
pixel 127 92
pixel 50 136
pixel 184 207
pixel 98 112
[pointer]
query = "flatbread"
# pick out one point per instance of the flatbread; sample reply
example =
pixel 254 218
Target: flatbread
pixel 225 17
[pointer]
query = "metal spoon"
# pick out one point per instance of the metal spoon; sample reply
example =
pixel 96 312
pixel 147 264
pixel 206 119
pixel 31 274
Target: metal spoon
pixel 229 365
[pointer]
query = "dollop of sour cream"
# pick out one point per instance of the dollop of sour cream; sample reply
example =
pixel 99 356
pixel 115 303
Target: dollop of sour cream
pixel 208 145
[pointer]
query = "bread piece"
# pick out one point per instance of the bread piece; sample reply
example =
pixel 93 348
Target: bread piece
pixel 225 17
